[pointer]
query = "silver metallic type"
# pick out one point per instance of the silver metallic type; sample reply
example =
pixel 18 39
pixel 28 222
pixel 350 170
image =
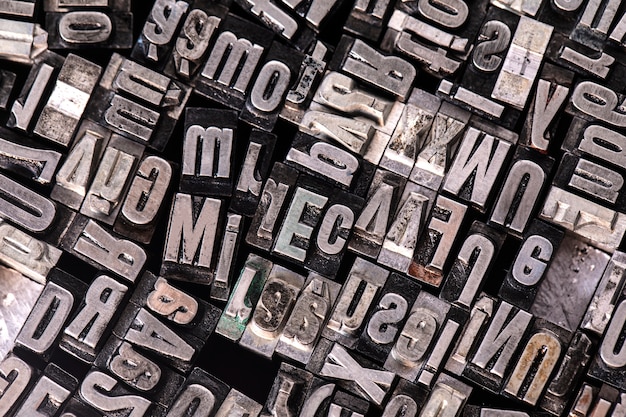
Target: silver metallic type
pixel 161 25
pixel 418 336
pixel 328 160
pixel 24 253
pixel 244 297
pixel 272 311
pixel 447 398
pixel 65 106
pixel 607 293
pixel 15 388
pixel 22 41
pixel 479 162
pixel 46 392
pixel 192 231
pixel 103 200
pixel 373 384
pixel 522 62
pixel 591 221
pixel 84 334
pixel 237 404
pixel 220 287
pixel 355 300
pixel 307 319
pixel 96 391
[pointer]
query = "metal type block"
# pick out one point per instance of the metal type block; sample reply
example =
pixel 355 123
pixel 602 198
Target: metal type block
pixel 522 190
pixel 522 62
pixel 152 380
pixel 367 19
pixel 302 219
pixel 479 316
pixel 57 302
pixel 594 141
pixel 479 163
pixel 51 391
pixel 409 223
pixel 18 8
pixel 431 257
pixel 593 101
pixel 137 102
pixel 26 254
pixel 221 285
pixel 74 407
pixel 143 206
pixel 162 339
pixel 440 146
pixel 592 28
pixel 344 403
pixel 539 245
pixel 472 265
pixel 244 296
pixel 111 181
pixel 26 208
pixel 106 395
pixel 79 167
pixel 7 83
pixel 353 373
pixel 492 351
pixel 202 393
pixel 550 96
pixel 277 193
pixel 190 245
pixel 188 315
pixel 522 7
pixel 390 74
pixel 275 18
pixel 388 317
pixel 543 350
pixel 608 364
pixel 592 222
pixel 22 42
pixel 345 96
pixel 604 66
pixel 64 108
pixel 87 331
pixel 451 329
pixel 288 392
pixel 271 86
pixel 301 93
pixel 598 401
pixel 44 69
pixel 447 398
pixel 326 161
pixel 308 318
pixel 319 398
pixel 26 158
pixel 238 404
pixel 607 293
pixel 208 152
pixel 411 133
pixel 405 400
pixel 233 62
pixel 569 283
pixel 68 5
pixel 435 50
pixel 193 40
pixel 314 12
pixel 356 299
pixel 418 337
pixel 254 172
pixel 591 180
pixel 371 224
pixel 272 311
pixel 89 28
pixel 157 36
pixel 95 245
pixel 16 378
pixel 329 242
pixel 476 411
pixel 564 383
pixel 19 295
